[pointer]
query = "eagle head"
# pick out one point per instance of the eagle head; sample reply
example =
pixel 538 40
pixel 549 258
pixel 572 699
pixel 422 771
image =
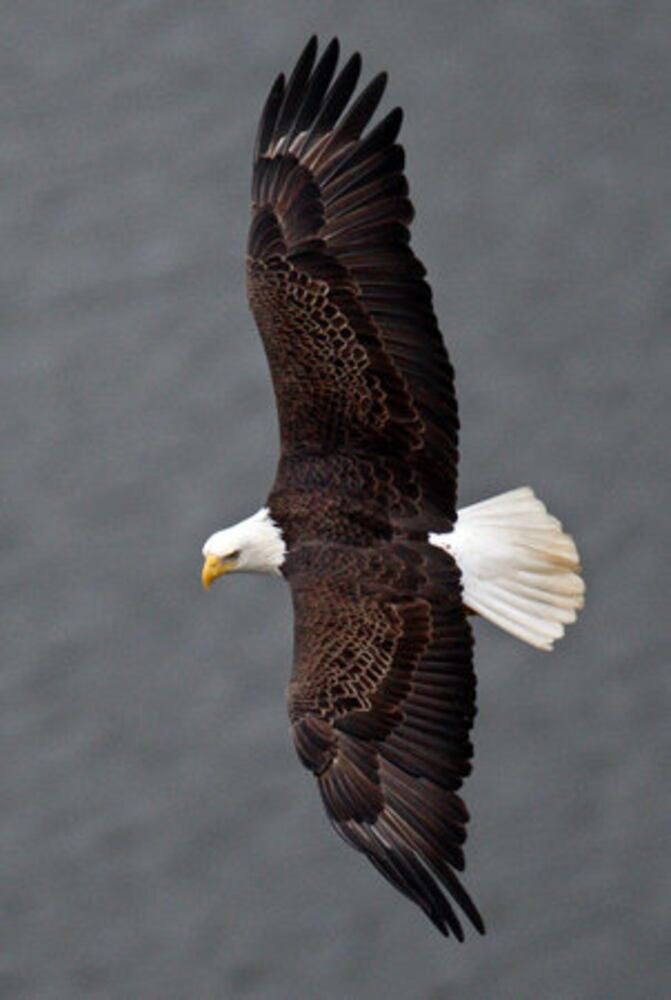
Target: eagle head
pixel 255 545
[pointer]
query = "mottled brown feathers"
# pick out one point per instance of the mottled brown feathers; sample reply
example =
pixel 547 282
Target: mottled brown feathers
pixel 357 360
pixel 382 700
pixel 382 696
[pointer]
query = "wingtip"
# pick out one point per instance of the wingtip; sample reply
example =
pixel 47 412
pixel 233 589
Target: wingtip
pixel 355 60
pixel 380 81
pixel 478 923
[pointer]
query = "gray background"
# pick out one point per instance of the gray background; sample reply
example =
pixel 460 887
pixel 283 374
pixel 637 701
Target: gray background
pixel 158 837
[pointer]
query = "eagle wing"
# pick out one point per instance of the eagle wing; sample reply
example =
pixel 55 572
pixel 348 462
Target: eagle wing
pixel 382 700
pixel 357 360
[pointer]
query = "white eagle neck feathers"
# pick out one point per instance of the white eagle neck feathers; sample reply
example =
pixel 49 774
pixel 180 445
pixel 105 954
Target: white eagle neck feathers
pixel 254 545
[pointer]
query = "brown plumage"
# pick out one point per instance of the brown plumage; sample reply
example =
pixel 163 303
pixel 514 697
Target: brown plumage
pixel 382 697
pixel 362 519
pixel 382 700
pixel 357 360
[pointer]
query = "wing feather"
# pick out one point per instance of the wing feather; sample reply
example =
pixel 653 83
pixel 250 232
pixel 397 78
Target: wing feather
pixel 268 118
pixel 330 268
pixel 295 90
pixel 382 701
pixel 382 697
pixel 333 105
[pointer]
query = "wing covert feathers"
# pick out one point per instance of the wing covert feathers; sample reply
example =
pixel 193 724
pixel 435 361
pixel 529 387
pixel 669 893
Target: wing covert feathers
pixel 341 302
pixel 382 701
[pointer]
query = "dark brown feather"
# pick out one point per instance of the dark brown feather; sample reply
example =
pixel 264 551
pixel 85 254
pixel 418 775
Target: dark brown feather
pixel 387 738
pixel 336 278
pixel 382 697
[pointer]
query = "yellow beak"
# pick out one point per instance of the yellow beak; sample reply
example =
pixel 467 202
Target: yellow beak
pixel 213 568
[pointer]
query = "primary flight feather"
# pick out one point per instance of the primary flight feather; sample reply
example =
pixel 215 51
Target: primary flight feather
pixel 362 520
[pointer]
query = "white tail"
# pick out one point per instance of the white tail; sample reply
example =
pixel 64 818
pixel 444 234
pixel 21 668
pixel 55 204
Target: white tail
pixel 519 569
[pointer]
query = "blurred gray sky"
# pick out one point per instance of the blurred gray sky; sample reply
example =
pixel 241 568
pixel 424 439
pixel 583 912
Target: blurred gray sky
pixel 158 838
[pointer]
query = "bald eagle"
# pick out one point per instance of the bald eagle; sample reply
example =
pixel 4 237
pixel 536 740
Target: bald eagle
pixel 362 519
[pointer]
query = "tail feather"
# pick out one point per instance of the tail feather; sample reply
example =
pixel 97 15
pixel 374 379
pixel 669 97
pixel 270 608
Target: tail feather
pixel 519 569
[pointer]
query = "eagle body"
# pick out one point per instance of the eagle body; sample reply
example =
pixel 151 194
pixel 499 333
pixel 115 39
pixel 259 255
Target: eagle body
pixel 362 518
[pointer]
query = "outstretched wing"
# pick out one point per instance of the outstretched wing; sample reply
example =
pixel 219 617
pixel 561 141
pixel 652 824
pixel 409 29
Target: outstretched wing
pixel 382 700
pixel 356 356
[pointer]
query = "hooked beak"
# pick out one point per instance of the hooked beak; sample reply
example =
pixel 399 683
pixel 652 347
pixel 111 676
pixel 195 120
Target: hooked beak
pixel 213 568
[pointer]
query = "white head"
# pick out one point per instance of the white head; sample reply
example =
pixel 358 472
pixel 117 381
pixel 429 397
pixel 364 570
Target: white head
pixel 255 545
